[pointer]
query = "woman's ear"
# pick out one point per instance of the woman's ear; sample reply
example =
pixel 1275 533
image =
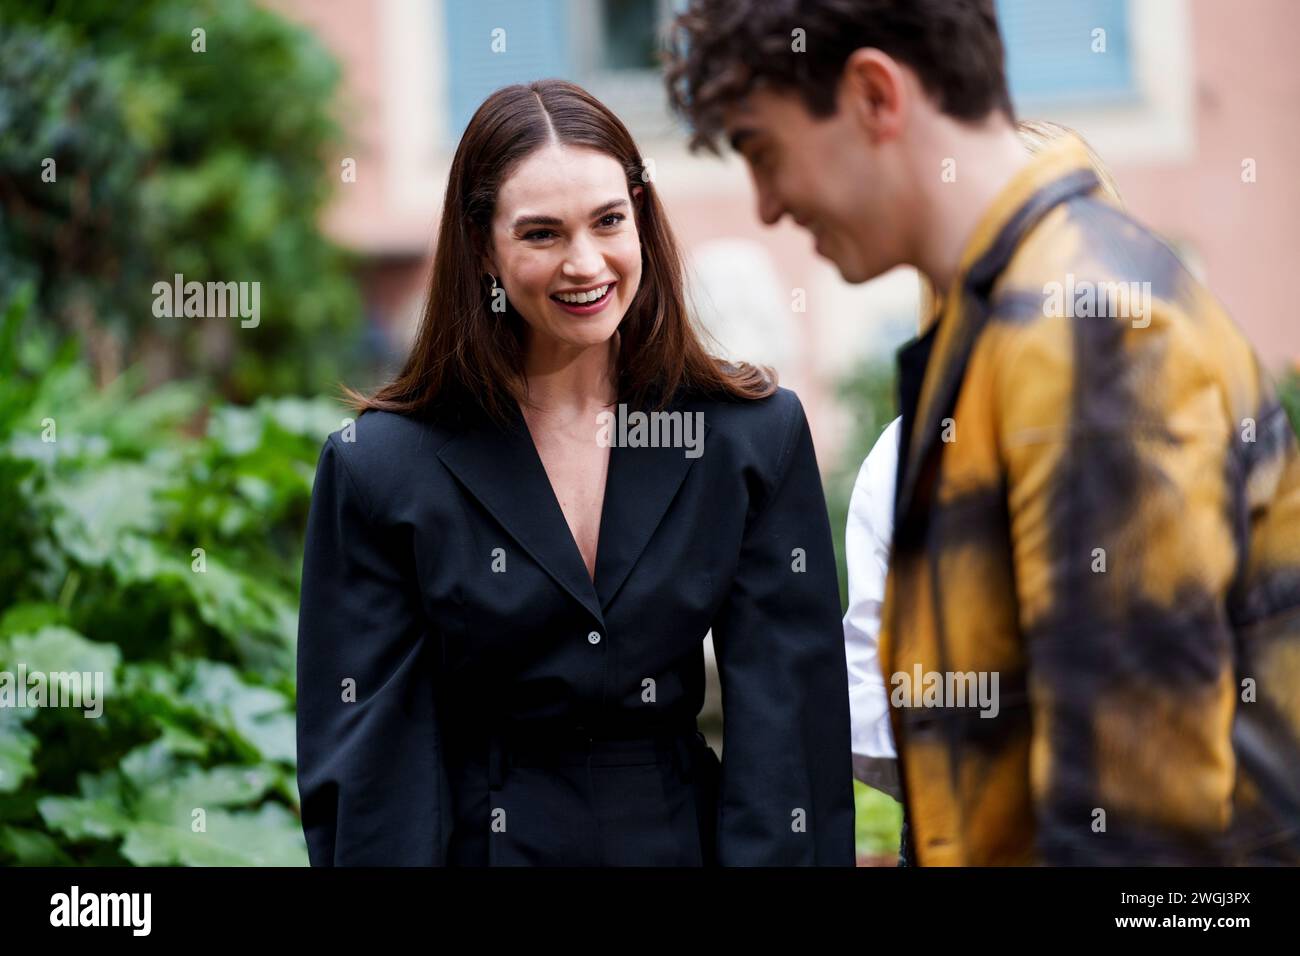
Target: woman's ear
pixel 482 246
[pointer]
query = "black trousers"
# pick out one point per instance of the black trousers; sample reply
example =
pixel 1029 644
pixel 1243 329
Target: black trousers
pixel 572 799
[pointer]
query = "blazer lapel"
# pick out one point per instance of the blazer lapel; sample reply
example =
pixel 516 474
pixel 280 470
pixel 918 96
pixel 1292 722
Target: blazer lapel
pixel 501 468
pixel 641 484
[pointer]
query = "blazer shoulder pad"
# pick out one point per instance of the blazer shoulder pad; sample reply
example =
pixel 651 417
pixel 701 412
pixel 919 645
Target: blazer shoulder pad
pixel 759 435
pixel 381 449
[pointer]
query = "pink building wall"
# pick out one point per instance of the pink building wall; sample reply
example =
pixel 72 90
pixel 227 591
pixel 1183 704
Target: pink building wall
pixel 1247 104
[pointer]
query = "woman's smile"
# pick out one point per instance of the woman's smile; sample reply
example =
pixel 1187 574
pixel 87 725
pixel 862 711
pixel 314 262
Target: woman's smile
pixel 570 303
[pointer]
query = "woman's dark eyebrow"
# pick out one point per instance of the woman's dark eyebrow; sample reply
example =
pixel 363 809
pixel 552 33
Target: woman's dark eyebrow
pixel 523 221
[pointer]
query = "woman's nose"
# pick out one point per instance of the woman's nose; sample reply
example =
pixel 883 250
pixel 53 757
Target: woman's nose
pixel 583 259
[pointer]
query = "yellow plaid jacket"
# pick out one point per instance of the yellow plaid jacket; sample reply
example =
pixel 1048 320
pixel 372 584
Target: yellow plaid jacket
pixel 1098 502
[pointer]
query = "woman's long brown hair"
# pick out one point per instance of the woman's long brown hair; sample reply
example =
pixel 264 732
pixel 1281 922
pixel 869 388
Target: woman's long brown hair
pixel 466 355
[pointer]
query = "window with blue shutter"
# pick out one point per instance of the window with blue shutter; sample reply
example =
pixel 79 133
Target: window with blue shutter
pixel 1050 51
pixel 629 34
pixel 536 47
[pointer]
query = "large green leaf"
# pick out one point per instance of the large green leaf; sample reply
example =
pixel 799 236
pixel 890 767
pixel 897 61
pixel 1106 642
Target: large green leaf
pixel 17 747
pixel 30 847
pixel 261 716
pixel 60 649
pixel 169 812
pixel 29 616
pixel 96 508
pixel 268 836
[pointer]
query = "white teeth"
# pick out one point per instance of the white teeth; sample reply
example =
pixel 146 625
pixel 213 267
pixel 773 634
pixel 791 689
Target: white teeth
pixel 581 298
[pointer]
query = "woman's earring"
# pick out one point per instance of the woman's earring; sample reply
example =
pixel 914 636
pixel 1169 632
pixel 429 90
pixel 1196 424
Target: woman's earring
pixel 494 282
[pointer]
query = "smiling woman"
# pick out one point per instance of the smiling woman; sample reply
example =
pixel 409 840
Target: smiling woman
pixel 571 260
pixel 546 196
pixel 500 648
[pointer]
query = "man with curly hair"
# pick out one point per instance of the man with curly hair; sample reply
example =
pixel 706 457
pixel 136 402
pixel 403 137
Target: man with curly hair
pixel 1097 506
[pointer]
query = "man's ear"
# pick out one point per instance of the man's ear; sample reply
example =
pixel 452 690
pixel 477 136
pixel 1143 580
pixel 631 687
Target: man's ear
pixel 874 88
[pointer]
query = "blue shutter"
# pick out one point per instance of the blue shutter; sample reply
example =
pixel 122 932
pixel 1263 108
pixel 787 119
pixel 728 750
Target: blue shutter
pixel 1049 50
pixel 537 46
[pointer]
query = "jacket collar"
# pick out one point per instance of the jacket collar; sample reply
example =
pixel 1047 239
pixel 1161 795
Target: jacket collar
pixel 502 469
pixel 1059 173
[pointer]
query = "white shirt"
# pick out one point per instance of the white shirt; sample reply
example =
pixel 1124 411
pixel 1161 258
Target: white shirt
pixel 866 548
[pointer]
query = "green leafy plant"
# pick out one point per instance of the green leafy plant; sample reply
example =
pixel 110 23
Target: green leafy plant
pixel 127 157
pixel 156 539
pixel 868 393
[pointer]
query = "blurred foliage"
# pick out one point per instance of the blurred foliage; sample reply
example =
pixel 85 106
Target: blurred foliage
pixel 152 532
pixel 878 825
pixel 109 494
pixel 166 160
pixel 869 394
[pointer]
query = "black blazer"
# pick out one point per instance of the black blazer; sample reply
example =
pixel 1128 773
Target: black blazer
pixel 440 576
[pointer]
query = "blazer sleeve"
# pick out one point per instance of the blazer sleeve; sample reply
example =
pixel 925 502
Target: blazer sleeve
pixel 786 791
pixel 370 777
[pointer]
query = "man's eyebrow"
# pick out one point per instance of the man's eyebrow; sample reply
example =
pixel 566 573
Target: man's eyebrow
pixel 538 220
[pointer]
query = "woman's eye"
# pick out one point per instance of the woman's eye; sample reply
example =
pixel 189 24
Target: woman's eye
pixel 538 234
pixel 617 217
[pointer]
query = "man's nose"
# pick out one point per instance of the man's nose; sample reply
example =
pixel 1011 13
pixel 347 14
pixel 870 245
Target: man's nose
pixel 770 209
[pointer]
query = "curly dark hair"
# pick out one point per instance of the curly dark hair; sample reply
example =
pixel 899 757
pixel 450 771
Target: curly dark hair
pixel 720 50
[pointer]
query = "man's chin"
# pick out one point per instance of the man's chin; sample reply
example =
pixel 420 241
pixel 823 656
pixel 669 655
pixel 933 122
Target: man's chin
pixel 846 269
pixel 855 271
pixel 851 272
